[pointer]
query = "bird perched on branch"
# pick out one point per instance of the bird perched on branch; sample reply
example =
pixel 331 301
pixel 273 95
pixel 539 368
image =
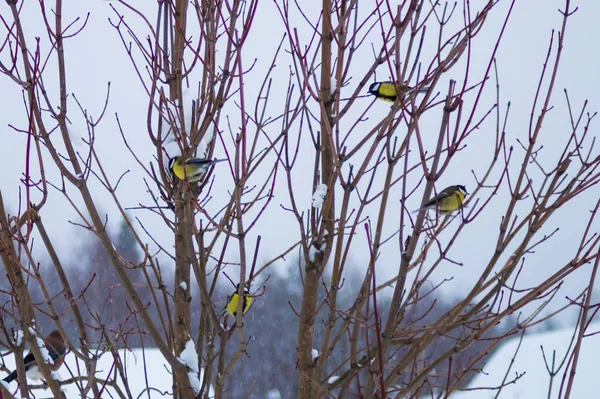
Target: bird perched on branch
pixel 55 345
pixel 448 200
pixel 232 302
pixel 191 169
pixel 386 91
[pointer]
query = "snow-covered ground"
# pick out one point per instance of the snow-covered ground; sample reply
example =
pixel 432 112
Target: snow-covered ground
pixel 147 373
pixel 535 382
pixel 148 369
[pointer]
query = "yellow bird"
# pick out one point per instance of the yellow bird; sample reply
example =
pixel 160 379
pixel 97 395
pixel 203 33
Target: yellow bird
pixel 448 200
pixel 232 303
pixel 386 91
pixel 192 169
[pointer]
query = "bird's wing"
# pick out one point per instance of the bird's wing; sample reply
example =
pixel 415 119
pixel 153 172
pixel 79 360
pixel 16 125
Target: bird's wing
pixel 197 161
pixel 444 195
pixel 438 198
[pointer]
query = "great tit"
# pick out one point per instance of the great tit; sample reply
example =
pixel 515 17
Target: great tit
pixel 55 345
pixel 386 91
pixel 448 200
pixel 192 169
pixel 232 303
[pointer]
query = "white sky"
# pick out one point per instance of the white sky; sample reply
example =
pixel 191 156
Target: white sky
pixel 96 56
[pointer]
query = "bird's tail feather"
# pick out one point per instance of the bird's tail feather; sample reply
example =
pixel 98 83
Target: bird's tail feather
pixel 416 91
pixel 11 377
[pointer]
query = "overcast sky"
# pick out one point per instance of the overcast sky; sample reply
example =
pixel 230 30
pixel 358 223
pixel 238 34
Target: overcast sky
pixel 96 56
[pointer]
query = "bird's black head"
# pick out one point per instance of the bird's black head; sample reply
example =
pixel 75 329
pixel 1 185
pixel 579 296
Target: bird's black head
pixel 462 189
pixel 172 162
pixel 374 88
pixel 237 288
